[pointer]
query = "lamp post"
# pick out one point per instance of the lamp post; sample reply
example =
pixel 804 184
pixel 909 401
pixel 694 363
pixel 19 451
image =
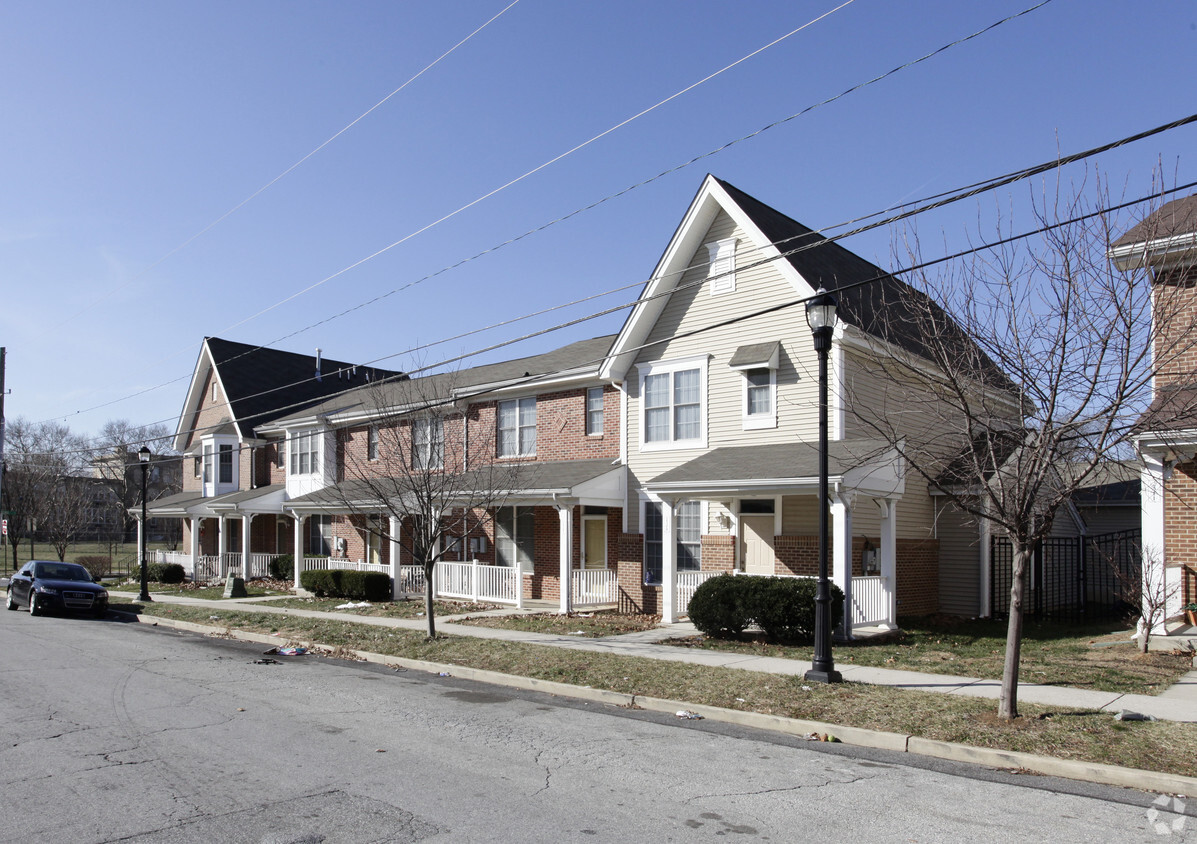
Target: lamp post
pixel 143 457
pixel 820 315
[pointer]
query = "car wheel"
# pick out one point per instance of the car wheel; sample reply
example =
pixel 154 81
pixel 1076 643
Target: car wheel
pixel 34 609
pixel 12 602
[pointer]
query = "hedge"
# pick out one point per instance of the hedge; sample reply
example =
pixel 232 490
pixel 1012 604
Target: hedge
pixel 347 583
pixel 783 607
pixel 165 572
pixel 282 567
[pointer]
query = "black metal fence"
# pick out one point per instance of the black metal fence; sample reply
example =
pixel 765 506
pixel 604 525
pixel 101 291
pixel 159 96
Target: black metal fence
pixel 1079 578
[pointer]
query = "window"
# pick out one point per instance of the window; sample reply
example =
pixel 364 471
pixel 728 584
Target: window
pixel 517 427
pixel 199 466
pixel 689 539
pixel 428 443
pixel 372 442
pixel 672 400
pixel 320 536
pixel 281 462
pixel 305 453
pixel 594 411
pixel 757 364
pixel 515 537
pixel 722 271
pixel 207 464
pixel 226 464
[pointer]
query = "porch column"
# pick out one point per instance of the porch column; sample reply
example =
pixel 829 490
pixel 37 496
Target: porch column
pixel 669 611
pixel 194 544
pixel 222 544
pixel 841 532
pixel 246 521
pixel 298 556
pixel 1154 479
pixel 565 536
pixel 888 553
pixel 396 569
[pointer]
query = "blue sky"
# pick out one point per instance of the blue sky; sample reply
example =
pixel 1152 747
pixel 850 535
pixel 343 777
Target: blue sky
pixel 130 127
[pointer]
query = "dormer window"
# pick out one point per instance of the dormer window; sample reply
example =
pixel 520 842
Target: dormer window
pixel 722 265
pixel 757 364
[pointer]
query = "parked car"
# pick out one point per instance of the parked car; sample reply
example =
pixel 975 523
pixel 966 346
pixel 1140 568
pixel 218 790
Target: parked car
pixel 44 586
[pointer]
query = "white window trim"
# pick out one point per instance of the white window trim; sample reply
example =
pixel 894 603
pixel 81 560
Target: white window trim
pixel 646 498
pixel 698 362
pixel 498 430
pixel 602 411
pixel 722 256
pixel 758 421
pixel 316 453
pixel 428 442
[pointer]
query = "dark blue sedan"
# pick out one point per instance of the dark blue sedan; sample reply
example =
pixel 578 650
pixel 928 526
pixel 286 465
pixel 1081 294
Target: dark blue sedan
pixel 44 586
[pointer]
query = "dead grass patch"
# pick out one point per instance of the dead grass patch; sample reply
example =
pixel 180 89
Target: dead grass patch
pixel 587 625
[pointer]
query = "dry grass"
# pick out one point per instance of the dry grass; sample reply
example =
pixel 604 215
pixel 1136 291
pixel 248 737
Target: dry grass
pixel 1063 733
pixel 381 609
pixel 590 625
pixel 1097 657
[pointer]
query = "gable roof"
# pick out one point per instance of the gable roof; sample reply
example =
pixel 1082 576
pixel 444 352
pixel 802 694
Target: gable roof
pixel 261 384
pixel 580 359
pixel 884 307
pixel 1167 235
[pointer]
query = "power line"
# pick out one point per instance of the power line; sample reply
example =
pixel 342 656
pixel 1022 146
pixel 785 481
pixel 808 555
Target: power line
pixel 290 169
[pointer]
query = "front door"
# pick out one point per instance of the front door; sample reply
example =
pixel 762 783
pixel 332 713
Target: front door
pixel 756 544
pixel 594 542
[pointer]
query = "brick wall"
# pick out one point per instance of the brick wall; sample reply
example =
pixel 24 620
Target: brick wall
pixel 918 576
pixel 634 596
pixel 1180 525
pixel 718 552
pixel 1174 315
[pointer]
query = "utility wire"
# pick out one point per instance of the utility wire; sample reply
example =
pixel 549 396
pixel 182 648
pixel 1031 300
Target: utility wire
pixel 290 169
pixel 570 215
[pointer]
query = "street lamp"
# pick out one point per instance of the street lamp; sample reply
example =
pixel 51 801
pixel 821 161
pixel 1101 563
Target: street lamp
pixel 820 315
pixel 143 456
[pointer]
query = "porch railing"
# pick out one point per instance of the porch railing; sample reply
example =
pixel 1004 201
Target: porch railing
pixel 474 581
pixel 411 581
pixel 687 583
pixel 326 563
pixel 592 587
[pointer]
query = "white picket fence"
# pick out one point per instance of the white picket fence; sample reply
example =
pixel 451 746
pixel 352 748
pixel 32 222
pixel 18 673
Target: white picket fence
pixel 327 563
pixel 475 581
pixel 593 587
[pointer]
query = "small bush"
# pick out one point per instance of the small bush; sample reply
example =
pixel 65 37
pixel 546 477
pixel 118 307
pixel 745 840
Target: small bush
pixel 282 567
pixel 165 572
pixel 720 606
pixel 347 583
pixel 97 565
pixel 783 607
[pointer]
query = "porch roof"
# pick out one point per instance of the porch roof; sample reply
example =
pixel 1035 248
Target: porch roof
pixel 172 505
pixel 266 499
pixel 595 482
pixel 866 466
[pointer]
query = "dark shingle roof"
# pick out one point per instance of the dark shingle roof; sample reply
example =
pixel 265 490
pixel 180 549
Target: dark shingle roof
pixel 264 384
pixel 1171 219
pixel 774 461
pixel 886 307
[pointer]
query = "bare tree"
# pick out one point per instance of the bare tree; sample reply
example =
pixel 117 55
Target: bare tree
pixel 116 461
pixel 68 508
pixel 38 459
pixel 1042 373
pixel 428 462
pixel 1148 590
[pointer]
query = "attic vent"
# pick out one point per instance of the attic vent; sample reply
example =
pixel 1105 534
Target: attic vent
pixel 722 271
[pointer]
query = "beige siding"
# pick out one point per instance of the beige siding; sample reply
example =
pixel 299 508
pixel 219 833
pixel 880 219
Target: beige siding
pixel 959 562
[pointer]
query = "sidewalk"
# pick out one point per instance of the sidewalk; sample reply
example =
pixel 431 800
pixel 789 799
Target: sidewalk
pixel 1178 703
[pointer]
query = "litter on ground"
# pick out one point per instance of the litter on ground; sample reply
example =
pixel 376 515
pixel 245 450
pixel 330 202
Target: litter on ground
pixel 688 715
pixel 352 606
pixel 287 651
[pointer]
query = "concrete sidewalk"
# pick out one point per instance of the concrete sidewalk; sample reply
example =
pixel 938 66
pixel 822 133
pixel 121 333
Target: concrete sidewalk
pixel 1178 703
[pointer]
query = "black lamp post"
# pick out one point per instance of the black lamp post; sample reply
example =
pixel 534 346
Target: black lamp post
pixel 820 315
pixel 143 456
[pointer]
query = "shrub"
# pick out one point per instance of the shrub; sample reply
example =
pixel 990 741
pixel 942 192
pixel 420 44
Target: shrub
pixel 720 606
pixel 347 583
pixel 97 565
pixel 784 607
pixel 282 567
pixel 166 572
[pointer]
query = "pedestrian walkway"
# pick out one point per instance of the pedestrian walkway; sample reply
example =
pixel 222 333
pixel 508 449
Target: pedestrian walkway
pixel 1178 703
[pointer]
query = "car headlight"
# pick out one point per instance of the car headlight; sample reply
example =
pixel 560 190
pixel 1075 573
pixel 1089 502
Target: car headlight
pixel 47 590
pixel 102 595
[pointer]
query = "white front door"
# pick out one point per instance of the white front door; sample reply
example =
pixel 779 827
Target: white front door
pixel 594 542
pixel 756 544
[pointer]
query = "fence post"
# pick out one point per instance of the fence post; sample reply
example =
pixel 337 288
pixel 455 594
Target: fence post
pixel 474 579
pixel 1084 578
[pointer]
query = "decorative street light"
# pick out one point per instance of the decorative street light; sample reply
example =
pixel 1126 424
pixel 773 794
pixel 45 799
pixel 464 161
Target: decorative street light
pixel 820 315
pixel 143 457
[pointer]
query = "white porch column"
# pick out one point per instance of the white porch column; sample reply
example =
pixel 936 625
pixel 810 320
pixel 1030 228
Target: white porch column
pixel 565 552
pixel 888 553
pixel 841 532
pixel 669 611
pixel 396 569
pixel 298 556
pixel 1154 479
pixel 194 545
pixel 222 544
pixel 246 521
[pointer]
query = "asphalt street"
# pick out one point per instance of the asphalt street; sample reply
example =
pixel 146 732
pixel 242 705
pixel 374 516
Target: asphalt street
pixel 125 732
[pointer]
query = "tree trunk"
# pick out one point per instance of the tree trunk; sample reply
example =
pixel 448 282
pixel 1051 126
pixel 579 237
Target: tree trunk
pixel 428 586
pixel 1008 698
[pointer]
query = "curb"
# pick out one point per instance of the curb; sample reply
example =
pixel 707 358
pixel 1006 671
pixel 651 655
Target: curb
pixel 1072 769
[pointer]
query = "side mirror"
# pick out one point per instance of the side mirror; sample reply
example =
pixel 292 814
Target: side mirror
pixel 97 579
